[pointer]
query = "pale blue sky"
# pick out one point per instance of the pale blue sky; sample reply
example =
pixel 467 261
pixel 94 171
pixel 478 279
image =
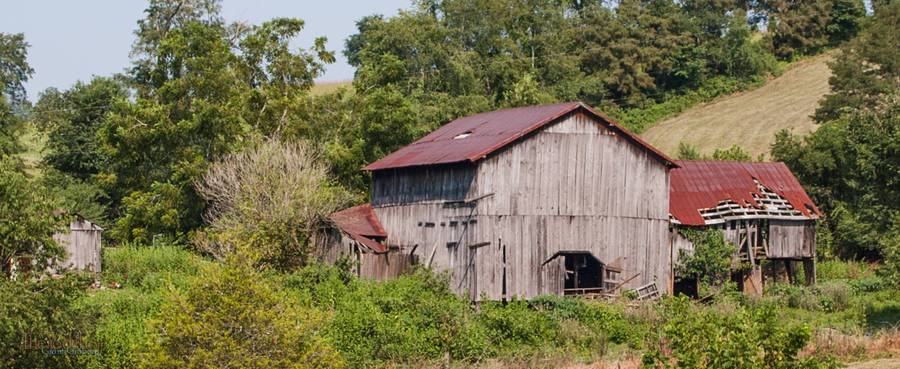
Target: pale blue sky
pixel 74 40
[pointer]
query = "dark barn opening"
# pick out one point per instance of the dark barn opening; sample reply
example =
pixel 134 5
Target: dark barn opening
pixel 584 273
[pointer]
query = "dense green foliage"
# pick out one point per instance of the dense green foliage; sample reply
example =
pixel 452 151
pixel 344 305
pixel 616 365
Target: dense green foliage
pixel 41 325
pixel 849 164
pixel 28 221
pixel 231 317
pixel 417 318
pixel 14 72
pixel 734 153
pixel 751 337
pixel 710 260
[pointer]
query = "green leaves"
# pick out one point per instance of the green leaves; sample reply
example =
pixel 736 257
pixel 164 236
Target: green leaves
pixel 751 337
pixel 27 220
pixel 710 260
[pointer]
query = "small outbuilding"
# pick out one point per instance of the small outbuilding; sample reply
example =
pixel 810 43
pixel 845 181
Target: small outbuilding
pixel 760 207
pixel 82 243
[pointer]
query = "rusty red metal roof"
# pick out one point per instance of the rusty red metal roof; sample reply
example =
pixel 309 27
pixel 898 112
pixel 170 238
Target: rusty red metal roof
pixel 702 184
pixel 361 223
pixel 474 137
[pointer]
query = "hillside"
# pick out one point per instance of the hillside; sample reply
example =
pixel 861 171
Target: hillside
pixel 749 119
pixel 321 88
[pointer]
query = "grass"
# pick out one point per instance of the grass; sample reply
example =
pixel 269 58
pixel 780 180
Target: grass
pixel 33 142
pixel 322 88
pixel 749 119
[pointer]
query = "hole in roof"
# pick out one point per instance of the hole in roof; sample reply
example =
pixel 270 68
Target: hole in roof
pixel 462 135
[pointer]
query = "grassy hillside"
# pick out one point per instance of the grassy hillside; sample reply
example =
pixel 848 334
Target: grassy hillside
pixel 749 119
pixel 321 88
pixel 33 142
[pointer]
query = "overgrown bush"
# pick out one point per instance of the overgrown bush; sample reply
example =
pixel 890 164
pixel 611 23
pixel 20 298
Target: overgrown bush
pixel 40 323
pixel 233 317
pixel 411 318
pixel 710 260
pixel 697 337
pixel 271 198
pixel 120 332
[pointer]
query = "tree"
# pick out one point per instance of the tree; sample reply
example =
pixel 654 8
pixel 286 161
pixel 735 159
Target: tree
pixel 72 120
pixel 14 72
pixel 203 89
pixel 27 221
pixel 233 317
pixel 856 82
pixel 14 68
pixel 271 198
pixel 849 164
pixel 688 151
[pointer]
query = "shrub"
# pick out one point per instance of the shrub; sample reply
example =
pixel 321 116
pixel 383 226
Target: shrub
pixel 868 284
pixel 271 198
pixel 748 338
pixel 410 318
pixel 829 270
pixel 37 316
pixel 120 332
pixel 233 317
pixel 514 325
pixel 834 296
pixel 710 260
pixel 883 312
pixel 605 320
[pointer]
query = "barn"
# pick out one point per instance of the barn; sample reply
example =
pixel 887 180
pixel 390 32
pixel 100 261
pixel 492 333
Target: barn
pixel 549 199
pixel 760 207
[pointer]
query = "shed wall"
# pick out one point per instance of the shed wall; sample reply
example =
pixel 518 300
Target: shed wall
pixel 792 239
pixel 82 244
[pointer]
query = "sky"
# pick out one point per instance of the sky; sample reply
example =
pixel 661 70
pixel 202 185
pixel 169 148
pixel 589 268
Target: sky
pixel 75 40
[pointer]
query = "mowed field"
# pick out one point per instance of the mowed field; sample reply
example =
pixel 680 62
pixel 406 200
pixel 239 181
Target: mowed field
pixel 321 88
pixel 749 119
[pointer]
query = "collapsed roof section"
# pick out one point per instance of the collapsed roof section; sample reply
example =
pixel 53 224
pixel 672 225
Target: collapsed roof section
pixel 710 192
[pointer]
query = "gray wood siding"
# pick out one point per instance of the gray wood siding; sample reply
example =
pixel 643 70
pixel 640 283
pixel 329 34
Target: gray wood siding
pixel 422 184
pixel 333 245
pixel 572 186
pixel 792 239
pixel 575 167
pixel 82 244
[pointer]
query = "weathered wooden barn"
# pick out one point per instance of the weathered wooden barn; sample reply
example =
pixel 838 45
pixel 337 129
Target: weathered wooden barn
pixel 559 199
pixel 82 242
pixel 760 207
pixel 550 199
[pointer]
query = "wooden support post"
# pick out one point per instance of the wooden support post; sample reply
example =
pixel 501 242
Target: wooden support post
pixel 809 270
pixel 789 270
pixel 752 281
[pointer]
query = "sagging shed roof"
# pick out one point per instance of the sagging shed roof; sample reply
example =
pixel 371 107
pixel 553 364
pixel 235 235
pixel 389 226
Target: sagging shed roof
pixel 699 184
pixel 361 223
pixel 471 138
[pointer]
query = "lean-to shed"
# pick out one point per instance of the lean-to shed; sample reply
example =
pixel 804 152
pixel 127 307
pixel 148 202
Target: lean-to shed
pixel 548 199
pixel 760 207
